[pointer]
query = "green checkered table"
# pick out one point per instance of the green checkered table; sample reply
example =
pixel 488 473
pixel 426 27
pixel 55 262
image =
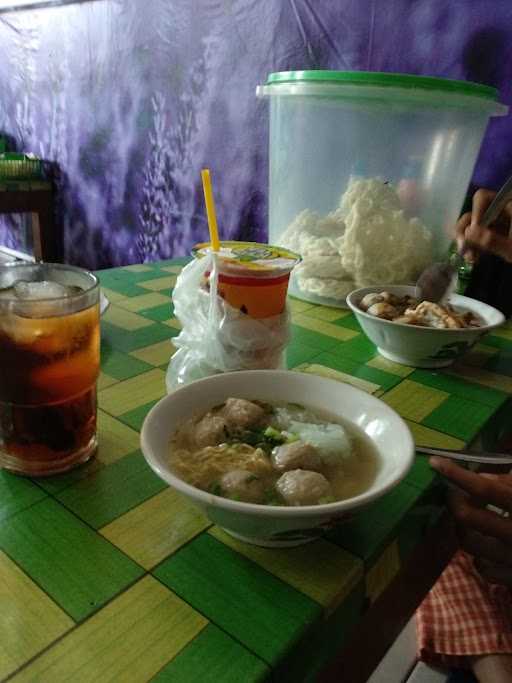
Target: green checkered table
pixel 106 574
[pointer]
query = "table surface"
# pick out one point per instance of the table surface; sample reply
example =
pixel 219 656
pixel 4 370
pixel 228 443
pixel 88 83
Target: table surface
pixel 108 574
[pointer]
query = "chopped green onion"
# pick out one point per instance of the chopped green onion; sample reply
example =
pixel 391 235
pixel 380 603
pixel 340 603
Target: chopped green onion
pixel 271 497
pixel 216 489
pixel 274 436
pixel 326 499
pixel 291 437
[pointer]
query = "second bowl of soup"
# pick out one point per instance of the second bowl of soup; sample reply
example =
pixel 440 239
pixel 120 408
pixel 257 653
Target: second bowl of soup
pixel 276 457
pixel 421 334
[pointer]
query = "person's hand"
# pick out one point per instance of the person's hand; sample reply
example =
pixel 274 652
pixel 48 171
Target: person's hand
pixel 483 533
pixel 496 239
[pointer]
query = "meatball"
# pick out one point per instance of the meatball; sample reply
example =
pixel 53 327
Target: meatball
pixel 242 485
pixel 302 487
pixel 383 310
pixel 370 299
pixel 241 414
pixel 210 431
pixel 295 456
pixel 390 298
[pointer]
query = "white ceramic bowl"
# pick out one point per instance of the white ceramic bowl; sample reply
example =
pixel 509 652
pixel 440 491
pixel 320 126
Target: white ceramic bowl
pixel 276 525
pixel 422 347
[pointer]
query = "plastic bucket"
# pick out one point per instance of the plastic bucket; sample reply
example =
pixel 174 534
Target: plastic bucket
pixel 368 173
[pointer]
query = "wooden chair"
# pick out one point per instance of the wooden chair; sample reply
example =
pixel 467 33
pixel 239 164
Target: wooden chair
pixel 35 198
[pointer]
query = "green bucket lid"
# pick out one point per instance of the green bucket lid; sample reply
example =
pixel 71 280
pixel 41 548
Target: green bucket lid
pixel 379 79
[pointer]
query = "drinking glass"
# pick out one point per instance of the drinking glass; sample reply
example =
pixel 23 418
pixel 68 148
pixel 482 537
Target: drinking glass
pixel 49 365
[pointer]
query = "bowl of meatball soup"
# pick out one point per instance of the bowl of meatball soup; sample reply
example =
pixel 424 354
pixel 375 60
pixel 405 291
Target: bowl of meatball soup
pixel 276 458
pixel 420 333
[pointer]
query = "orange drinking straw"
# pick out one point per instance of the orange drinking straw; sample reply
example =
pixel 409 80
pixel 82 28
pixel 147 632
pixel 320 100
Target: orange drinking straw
pixel 210 209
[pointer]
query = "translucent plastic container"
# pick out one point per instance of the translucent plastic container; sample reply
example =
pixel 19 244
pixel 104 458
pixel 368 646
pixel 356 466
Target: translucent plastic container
pixel 368 173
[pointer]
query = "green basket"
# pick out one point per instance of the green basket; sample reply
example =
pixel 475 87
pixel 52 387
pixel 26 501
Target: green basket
pixel 15 166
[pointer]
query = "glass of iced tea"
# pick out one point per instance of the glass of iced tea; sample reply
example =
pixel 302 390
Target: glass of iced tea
pixel 49 364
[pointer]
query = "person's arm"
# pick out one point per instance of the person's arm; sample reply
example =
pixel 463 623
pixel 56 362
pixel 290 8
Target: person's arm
pixel 496 239
pixel 485 534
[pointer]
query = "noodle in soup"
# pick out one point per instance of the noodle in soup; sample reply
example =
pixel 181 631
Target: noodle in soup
pixel 273 454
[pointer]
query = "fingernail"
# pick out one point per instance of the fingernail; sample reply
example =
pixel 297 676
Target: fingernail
pixel 436 462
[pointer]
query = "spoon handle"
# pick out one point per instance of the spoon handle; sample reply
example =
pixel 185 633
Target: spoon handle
pixel 498 203
pixel 466 456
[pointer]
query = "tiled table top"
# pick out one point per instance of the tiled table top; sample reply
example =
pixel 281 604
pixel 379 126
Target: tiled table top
pixel 106 574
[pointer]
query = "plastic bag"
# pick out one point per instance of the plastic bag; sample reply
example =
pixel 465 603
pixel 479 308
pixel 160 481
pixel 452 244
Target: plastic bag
pixel 216 337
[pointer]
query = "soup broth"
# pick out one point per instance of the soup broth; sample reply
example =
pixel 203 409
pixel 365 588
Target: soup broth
pixel 273 454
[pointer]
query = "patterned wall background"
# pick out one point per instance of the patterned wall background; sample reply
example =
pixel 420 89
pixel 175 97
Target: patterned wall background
pixel 132 97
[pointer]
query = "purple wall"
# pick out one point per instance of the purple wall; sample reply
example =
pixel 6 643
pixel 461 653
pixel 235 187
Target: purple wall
pixel 132 98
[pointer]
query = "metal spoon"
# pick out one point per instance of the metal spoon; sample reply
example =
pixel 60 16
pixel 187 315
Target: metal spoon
pixel 468 456
pixel 434 281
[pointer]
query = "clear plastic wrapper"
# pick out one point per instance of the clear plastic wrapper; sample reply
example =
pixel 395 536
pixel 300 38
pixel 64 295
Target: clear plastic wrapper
pixel 215 336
